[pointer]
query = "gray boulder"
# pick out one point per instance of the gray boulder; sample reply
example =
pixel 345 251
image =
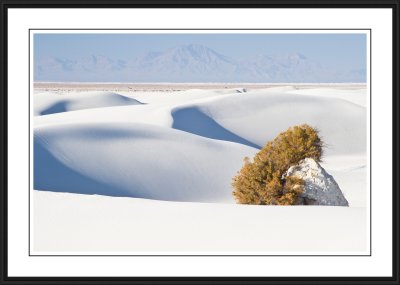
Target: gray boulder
pixel 320 188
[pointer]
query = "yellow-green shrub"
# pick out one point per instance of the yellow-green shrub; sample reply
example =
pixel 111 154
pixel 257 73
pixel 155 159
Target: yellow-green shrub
pixel 260 181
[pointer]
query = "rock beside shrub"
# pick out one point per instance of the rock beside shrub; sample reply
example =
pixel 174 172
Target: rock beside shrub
pixel 319 187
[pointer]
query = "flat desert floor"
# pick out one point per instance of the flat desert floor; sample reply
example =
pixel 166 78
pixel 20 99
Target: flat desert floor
pixel 147 168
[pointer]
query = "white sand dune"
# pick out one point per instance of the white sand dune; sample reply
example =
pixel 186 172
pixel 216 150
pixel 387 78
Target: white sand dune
pixel 186 147
pixel 251 118
pixel 50 103
pixel 255 118
pixel 356 96
pixel 135 160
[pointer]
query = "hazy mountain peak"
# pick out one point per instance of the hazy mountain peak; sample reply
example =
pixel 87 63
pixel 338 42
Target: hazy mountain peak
pixel 297 55
pixel 194 51
pixel 192 63
pixel 192 47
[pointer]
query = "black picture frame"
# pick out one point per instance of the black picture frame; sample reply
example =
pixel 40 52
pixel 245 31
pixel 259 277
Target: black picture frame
pixel 5 5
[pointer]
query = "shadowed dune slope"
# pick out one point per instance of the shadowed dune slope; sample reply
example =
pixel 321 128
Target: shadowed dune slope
pixel 46 104
pixel 255 118
pixel 135 160
pixel 194 121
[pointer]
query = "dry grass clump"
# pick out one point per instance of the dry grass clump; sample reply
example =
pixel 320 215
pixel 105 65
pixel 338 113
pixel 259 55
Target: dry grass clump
pixel 261 181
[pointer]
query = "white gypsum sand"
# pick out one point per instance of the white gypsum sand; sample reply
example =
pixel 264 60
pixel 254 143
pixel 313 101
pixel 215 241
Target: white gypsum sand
pixel 159 167
pixel 73 223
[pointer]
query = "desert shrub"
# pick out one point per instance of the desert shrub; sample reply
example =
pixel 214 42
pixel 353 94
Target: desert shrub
pixel 261 181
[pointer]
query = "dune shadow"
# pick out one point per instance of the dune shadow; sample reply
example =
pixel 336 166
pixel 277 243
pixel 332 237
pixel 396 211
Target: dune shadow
pixel 58 107
pixel 62 106
pixel 194 121
pixel 50 174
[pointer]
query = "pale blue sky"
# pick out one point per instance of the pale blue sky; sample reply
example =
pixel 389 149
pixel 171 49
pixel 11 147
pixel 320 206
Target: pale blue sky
pixel 337 51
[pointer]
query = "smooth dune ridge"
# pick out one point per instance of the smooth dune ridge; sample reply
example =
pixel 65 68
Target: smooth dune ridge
pixel 88 150
pixel 250 118
pixel 135 160
pixel 46 104
pixel 255 118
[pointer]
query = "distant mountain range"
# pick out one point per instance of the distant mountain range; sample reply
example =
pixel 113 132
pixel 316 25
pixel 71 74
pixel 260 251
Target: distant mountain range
pixel 192 63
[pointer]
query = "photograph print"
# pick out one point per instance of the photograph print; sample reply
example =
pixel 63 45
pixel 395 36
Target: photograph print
pixel 199 142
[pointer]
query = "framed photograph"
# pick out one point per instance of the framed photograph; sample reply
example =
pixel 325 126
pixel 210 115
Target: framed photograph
pixel 200 143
